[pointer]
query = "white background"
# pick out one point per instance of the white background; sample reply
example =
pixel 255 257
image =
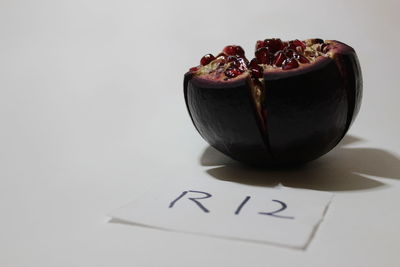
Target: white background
pixel 92 114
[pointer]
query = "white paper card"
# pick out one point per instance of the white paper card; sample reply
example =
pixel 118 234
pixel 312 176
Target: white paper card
pixel 278 215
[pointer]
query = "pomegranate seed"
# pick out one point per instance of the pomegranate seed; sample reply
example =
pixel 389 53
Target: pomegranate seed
pixel 253 63
pixel 273 45
pixel 221 59
pixel 234 62
pixel 234 50
pixel 206 59
pixel 260 44
pixel 232 58
pixel 290 53
pixel 257 73
pixel 237 62
pixel 242 64
pixel 285 44
pixel 279 58
pixel 290 63
pixel 245 60
pixel 194 69
pixel 296 45
pixel 230 50
pixel 262 56
pixel 256 70
pixel 232 72
pixel 302 59
pixel 239 51
pixel 299 43
pixel 318 41
pixel 291 45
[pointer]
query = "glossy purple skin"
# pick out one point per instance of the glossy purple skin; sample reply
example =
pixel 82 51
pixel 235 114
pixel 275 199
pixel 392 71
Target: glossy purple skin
pixel 225 116
pixel 309 110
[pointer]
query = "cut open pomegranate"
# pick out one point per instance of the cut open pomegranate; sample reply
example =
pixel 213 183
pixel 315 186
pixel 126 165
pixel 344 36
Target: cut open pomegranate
pixel 291 103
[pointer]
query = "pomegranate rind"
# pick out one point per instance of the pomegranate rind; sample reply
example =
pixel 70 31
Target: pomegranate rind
pixel 349 66
pixel 306 110
pixel 225 116
pixel 311 108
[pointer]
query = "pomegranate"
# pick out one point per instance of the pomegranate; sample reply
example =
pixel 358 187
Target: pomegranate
pixel 292 103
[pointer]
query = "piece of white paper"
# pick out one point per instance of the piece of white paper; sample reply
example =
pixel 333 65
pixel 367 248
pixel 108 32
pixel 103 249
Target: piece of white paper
pixel 278 215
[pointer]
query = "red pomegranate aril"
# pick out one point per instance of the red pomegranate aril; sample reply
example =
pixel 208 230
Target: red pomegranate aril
pixel 298 43
pixel 257 73
pixel 273 45
pixel 235 62
pixel 234 50
pixel 230 50
pixel 256 70
pixel 290 63
pixel 290 53
pixel 302 59
pixel 279 58
pixel 242 64
pixel 232 72
pixel 206 59
pixel 291 45
pixel 232 58
pixel 260 44
pixel 262 56
pixel 245 60
pixel 253 63
pixel 239 51
pixel 221 59
pixel 194 69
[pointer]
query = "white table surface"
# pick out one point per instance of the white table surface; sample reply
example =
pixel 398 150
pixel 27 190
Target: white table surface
pixel 92 114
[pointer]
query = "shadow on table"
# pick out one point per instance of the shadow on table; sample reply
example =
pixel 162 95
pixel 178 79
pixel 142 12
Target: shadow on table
pixel 342 169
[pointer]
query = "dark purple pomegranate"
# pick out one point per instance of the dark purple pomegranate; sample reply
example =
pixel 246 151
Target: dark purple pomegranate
pixel 292 103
